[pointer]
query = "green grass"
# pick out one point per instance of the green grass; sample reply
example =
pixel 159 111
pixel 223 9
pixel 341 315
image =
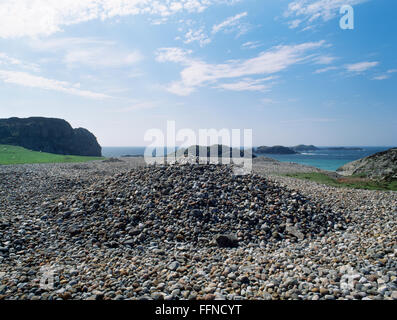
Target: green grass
pixel 355 182
pixel 19 155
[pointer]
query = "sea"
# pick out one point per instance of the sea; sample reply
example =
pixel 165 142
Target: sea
pixel 324 158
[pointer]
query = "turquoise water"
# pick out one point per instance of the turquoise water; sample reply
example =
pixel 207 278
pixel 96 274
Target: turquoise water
pixel 130 151
pixel 327 159
pixel 122 151
pixel 324 158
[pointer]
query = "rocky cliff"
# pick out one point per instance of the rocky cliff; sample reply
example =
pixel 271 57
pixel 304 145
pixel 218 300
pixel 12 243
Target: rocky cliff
pixel 48 135
pixel 381 165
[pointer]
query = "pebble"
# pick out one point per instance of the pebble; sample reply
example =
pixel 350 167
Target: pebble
pixel 173 266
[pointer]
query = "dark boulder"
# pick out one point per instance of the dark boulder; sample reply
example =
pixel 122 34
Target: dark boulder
pixel 226 241
pixel 48 135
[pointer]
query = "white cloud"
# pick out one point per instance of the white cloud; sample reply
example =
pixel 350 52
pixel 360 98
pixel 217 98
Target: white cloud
pixel 102 57
pixel 324 59
pixel 381 77
pixel 318 71
pixel 361 66
pixel 231 22
pixel 33 81
pixel 251 44
pixel 10 61
pixel 92 52
pixel 198 35
pixel 177 55
pixel 180 89
pixel 197 73
pixel 19 18
pixel 247 84
pixel 62 44
pixel 294 23
pixel 386 75
pixel 310 11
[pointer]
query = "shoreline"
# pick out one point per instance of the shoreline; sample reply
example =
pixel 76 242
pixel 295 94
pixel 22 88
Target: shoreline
pixel 326 158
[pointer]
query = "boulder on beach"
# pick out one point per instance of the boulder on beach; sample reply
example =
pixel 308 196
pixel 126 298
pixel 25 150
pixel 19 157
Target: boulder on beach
pixel 226 241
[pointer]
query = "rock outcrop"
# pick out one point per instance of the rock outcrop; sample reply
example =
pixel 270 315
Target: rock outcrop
pixel 48 135
pixel 304 148
pixel 274 150
pixel 381 165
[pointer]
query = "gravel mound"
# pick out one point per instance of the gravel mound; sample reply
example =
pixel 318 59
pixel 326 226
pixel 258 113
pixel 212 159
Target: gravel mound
pixel 188 203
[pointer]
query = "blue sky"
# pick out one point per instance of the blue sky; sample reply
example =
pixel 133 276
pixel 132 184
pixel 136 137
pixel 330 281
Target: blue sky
pixel 283 68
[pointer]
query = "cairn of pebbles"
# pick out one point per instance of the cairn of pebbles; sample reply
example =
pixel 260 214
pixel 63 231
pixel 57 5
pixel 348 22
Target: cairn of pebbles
pixel 190 232
pixel 189 203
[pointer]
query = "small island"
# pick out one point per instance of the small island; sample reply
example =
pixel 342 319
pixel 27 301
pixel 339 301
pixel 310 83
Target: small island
pixel 304 148
pixel 274 150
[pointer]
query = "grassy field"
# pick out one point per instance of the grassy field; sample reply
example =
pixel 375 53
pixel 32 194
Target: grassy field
pixel 355 182
pixel 19 155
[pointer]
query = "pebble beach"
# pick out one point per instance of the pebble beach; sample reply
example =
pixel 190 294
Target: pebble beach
pixel 121 230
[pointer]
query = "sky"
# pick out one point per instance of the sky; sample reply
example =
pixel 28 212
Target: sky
pixel 283 68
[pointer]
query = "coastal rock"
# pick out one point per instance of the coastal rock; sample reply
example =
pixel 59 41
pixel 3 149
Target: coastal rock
pixel 274 150
pixel 48 135
pixel 381 165
pixel 304 148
